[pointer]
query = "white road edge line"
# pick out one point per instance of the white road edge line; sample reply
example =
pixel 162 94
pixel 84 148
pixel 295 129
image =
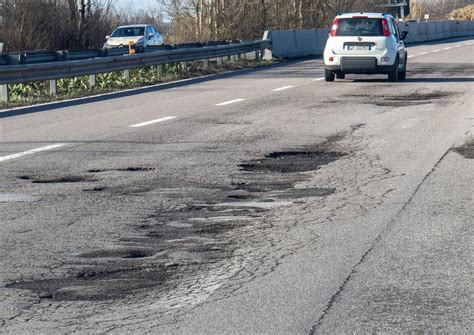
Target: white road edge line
pixel 163 119
pixel 411 56
pixel 230 102
pixel 319 79
pixel 282 88
pixel 447 48
pixel 437 50
pixel 31 152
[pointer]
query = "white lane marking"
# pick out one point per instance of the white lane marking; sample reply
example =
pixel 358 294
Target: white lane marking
pixel 31 152
pixel 457 46
pixel 447 48
pixel 163 119
pixel 229 102
pixel 423 53
pixel 319 79
pixel 282 88
pixel 411 56
pixel 437 50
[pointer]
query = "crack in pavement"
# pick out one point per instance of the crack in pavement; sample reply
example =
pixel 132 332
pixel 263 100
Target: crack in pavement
pixel 376 241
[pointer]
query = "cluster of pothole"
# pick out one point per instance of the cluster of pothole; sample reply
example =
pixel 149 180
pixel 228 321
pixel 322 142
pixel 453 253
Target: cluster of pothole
pixel 184 239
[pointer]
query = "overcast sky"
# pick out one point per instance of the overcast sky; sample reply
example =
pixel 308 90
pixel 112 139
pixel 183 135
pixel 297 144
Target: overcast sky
pixel 136 4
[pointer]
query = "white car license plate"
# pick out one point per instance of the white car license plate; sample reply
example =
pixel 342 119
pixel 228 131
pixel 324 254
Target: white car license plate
pixel 359 47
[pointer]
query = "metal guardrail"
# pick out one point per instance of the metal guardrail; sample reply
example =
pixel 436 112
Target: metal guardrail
pixel 63 64
pixel 41 66
pixel 41 56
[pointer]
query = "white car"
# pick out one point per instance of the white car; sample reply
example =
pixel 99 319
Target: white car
pixel 142 35
pixel 365 43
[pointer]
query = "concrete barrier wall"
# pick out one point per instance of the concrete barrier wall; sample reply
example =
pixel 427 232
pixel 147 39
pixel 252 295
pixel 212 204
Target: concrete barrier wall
pixel 311 42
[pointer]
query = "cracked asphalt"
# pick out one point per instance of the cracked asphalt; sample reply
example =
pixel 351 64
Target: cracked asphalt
pixel 267 201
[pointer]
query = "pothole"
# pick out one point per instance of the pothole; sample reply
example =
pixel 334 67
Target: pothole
pixel 94 189
pixel 121 253
pixel 127 169
pixel 293 161
pixel 241 196
pixel 400 100
pixel 306 193
pixel 467 149
pixel 256 204
pixel 58 179
pixel 108 283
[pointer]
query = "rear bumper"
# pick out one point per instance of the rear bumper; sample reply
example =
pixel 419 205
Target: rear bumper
pixel 360 65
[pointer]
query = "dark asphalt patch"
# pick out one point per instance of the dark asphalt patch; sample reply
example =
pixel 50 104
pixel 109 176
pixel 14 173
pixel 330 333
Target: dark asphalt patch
pixel 293 161
pixel 467 149
pixel 58 179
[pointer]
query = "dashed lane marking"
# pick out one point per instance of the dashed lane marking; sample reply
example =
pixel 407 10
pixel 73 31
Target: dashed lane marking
pixel 437 50
pixel 447 48
pixel 31 152
pixel 424 53
pixel 411 56
pixel 163 119
pixel 319 79
pixel 229 102
pixel 282 88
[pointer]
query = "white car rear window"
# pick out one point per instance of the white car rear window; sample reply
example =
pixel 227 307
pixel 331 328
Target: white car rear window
pixel 359 27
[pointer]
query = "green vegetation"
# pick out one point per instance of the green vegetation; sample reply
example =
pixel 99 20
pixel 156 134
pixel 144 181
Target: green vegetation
pixel 68 88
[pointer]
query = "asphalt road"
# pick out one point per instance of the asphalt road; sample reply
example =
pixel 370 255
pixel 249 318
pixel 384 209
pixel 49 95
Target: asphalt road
pixel 263 202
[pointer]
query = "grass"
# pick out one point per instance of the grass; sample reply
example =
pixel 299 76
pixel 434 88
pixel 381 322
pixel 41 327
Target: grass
pixel 69 88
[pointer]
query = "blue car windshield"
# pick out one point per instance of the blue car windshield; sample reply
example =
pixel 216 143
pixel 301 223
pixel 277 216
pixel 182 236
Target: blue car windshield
pixel 129 32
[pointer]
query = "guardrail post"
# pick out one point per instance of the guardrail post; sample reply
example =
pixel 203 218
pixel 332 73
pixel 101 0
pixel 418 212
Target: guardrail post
pixel 266 54
pixel 126 74
pixel 206 65
pixel 53 87
pixel 184 66
pixel 4 93
pixel 93 79
pixel 220 60
pixel 159 70
pixel 243 56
